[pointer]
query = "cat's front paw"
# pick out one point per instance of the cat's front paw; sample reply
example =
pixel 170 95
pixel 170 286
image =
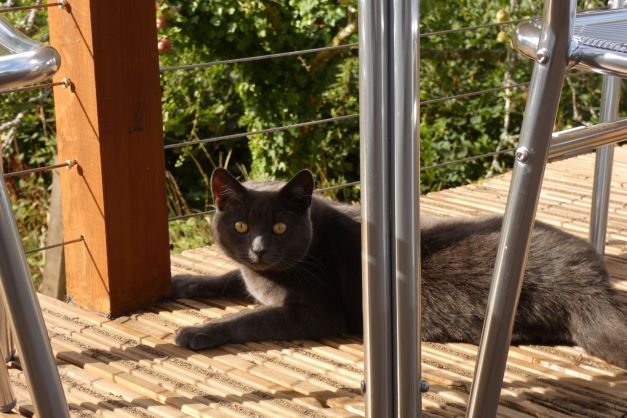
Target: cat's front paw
pixel 199 337
pixel 185 286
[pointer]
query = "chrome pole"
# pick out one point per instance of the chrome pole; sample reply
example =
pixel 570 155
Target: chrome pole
pixel 6 335
pixel 7 399
pixel 7 352
pixel 375 209
pixel 406 176
pixel 18 295
pixel 552 58
pixel 610 101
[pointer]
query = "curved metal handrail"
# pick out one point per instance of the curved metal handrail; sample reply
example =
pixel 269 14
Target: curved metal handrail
pixel 27 61
pixel 607 57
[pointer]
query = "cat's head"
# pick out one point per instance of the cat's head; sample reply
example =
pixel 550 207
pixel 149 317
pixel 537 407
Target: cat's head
pixel 264 226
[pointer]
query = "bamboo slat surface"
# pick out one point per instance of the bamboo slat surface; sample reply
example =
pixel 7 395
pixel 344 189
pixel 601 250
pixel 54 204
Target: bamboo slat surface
pixel 129 366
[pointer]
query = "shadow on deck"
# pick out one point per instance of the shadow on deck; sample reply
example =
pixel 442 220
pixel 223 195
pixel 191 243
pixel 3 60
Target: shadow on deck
pixel 129 367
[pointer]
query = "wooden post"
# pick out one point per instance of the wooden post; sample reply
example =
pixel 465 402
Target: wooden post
pixel 53 282
pixel 110 121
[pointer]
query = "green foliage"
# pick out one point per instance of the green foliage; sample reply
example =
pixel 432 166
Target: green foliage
pixel 256 95
pixel 190 233
pixel 469 61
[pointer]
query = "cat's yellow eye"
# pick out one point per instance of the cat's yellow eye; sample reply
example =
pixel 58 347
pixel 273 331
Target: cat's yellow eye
pixel 279 228
pixel 241 227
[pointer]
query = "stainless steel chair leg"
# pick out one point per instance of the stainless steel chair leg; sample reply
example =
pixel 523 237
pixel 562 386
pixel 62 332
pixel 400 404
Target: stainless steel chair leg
pixel 18 296
pixel 7 399
pixel 546 82
pixel 604 159
pixel 7 346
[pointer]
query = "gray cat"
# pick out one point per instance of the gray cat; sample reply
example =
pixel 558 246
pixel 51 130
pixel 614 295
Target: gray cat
pixel 300 257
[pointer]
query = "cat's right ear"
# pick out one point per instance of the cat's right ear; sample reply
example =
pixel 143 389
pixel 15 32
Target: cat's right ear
pixel 225 188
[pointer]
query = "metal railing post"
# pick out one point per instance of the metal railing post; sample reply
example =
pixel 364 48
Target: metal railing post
pixel 552 57
pixel 610 101
pixel 390 208
pixel 375 226
pixel 406 177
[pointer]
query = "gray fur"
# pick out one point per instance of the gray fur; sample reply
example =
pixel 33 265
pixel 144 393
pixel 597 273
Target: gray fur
pixel 309 278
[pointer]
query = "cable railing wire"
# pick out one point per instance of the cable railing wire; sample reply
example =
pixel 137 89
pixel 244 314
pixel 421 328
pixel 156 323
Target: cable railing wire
pixel 51 246
pixel 191 215
pixel 68 164
pixel 63 83
pixel 258 57
pixel 357 183
pixel 35 6
pixel 242 135
pixel 475 93
pixel 468 159
pixel 326 48
pixel 337 187
pixel 475 27
pixel 429 167
pixel 262 131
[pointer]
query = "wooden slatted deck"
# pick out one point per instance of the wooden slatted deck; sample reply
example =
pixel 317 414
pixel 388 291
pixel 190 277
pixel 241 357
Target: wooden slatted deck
pixel 129 367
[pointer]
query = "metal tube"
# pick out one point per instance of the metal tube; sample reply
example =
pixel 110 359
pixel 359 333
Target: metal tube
pixel 603 167
pixel 35 6
pixel 28 61
pixel 7 399
pixel 406 176
pixel 375 210
pixel 610 101
pixel 531 156
pixel 583 57
pixel 67 164
pixel 6 335
pixel 575 141
pixel 18 295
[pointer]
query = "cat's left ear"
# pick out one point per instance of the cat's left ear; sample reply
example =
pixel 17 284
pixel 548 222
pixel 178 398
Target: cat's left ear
pixel 225 188
pixel 296 194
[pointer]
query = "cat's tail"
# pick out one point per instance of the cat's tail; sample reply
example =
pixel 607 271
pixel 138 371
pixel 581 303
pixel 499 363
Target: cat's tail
pixel 600 327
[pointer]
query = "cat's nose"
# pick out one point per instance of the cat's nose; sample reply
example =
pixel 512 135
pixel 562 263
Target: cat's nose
pixel 257 249
pixel 259 252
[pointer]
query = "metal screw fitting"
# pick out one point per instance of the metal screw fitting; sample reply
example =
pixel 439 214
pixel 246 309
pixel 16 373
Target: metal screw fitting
pixel 62 4
pixel 542 56
pixel 66 83
pixel 424 386
pixel 363 387
pixel 522 154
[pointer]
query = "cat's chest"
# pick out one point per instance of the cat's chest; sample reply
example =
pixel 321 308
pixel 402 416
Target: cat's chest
pixel 265 291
